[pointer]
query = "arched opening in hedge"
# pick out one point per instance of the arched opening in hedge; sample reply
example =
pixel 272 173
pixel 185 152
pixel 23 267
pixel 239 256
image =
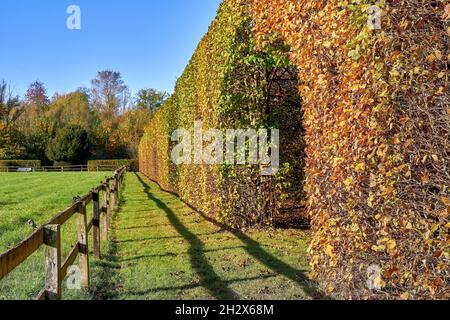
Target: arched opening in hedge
pixel 231 84
pixel 376 96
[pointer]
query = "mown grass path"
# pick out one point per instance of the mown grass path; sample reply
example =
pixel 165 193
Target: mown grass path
pixel 162 249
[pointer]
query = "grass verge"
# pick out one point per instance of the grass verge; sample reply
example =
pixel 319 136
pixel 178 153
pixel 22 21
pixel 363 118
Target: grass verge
pixel 38 196
pixel 165 250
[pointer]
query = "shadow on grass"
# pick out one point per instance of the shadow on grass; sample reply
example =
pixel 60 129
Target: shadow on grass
pixel 160 238
pixel 207 277
pixel 105 286
pixel 171 255
pixel 254 249
pixel 196 285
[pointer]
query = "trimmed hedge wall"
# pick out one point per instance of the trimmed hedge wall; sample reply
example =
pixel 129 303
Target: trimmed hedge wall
pixel 20 163
pixel 376 114
pixel 230 84
pixel 377 126
pixel 132 165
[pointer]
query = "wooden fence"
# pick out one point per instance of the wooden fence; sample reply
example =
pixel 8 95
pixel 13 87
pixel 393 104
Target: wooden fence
pixel 50 236
pixel 74 168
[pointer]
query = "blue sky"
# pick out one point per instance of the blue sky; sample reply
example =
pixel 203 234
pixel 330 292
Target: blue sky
pixel 148 41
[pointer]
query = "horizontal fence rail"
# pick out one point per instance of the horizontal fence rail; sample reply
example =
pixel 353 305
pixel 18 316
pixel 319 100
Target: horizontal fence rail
pixel 74 168
pixel 50 236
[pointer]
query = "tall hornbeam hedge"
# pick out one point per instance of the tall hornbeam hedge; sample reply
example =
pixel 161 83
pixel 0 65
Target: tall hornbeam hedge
pixel 229 84
pixel 376 119
pixel 376 115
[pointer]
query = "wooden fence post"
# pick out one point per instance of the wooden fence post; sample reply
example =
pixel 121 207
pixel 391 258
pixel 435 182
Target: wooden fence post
pixel 83 244
pixel 117 191
pixel 96 222
pixel 106 211
pixel 113 194
pixel 52 240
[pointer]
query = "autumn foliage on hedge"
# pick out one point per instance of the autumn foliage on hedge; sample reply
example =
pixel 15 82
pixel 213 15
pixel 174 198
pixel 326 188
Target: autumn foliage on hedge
pixel 376 106
pixel 375 110
pixel 229 84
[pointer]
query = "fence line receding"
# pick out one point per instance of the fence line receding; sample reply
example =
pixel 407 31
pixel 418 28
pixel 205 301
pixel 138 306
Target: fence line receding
pixel 105 200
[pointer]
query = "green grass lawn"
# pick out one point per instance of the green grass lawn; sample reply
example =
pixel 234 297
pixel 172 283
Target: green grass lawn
pixel 37 196
pixel 159 248
pixel 162 249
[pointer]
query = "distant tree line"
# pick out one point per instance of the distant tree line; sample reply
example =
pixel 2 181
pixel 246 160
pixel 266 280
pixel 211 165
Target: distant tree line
pixel 101 122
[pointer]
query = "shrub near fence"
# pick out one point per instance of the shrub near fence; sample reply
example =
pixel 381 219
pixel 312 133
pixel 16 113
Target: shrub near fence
pixel 229 84
pixel 376 114
pixel 111 165
pixel 20 163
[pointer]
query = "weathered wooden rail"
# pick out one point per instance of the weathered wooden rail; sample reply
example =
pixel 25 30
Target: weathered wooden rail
pixel 50 235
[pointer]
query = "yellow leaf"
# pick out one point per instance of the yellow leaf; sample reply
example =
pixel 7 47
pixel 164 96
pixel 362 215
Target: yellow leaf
pixel 431 58
pixel 327 44
pixel 348 181
pixel 329 250
pixel 438 54
pixel 387 190
pixel 425 179
pixel 446 201
pixel 404 296
pixel 373 180
pixel 445 213
pixel 355 227
pixel 379 282
pixel 360 167
pixel 391 245
pixel 394 73
pixel 336 161
pixel 370 201
pixel 379 248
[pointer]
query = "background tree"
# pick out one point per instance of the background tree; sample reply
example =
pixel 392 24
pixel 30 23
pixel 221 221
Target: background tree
pixel 36 95
pixel 131 129
pixel 39 138
pixel 71 109
pixel 71 145
pixel 11 141
pixel 110 95
pixel 35 104
pixel 10 106
pixel 114 126
pixel 150 99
